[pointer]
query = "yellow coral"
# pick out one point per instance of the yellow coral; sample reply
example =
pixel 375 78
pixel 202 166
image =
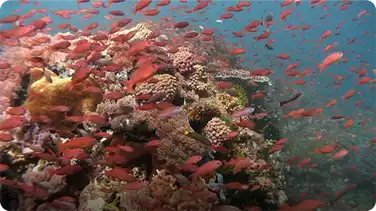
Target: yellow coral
pixel 42 95
pixel 241 95
pixel 229 102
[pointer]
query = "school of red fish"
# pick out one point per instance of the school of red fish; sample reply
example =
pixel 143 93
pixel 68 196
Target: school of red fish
pixel 85 52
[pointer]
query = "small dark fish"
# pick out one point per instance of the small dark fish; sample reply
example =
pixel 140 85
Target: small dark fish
pixel 337 117
pixel 198 137
pixel 296 96
pixel 265 21
pixel 156 97
pixel 269 46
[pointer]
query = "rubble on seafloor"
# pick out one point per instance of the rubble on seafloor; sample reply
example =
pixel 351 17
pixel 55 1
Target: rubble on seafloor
pixel 202 123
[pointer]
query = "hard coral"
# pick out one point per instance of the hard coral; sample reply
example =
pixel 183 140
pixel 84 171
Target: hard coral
pixel 93 198
pixel 42 95
pixel 183 60
pixel 53 182
pixel 165 192
pixel 229 102
pixel 199 82
pixel 9 81
pixel 217 131
pixel 164 89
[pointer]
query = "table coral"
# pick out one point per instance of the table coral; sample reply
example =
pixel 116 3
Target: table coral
pixel 42 95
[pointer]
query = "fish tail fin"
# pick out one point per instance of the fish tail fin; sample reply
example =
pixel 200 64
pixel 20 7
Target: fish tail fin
pixel 52 171
pixel 70 86
pixel 128 86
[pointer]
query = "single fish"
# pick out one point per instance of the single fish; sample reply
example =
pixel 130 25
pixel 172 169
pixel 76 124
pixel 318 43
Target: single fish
pixel 295 97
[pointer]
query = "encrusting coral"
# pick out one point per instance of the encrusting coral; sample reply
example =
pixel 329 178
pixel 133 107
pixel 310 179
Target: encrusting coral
pixel 42 95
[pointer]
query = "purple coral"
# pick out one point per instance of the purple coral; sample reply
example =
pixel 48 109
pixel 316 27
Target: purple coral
pixel 183 60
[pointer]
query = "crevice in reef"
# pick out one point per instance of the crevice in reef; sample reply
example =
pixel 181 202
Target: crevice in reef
pixel 21 93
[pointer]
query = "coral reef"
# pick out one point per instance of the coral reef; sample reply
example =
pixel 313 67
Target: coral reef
pixel 146 149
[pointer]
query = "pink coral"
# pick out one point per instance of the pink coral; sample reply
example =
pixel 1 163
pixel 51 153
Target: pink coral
pixel 9 81
pixel 183 60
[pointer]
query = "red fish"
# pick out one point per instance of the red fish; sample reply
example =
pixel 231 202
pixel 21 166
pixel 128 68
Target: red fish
pixel 340 154
pixel 325 34
pixel 16 111
pixel 282 56
pixel 284 14
pixel 3 167
pixel 325 149
pixel 330 59
pixel 246 123
pixel 81 142
pixel 260 72
pixel 226 16
pixel 236 51
pixel 121 174
pixel 258 95
pixel 208 167
pixel 12 122
pixel 97 119
pixel 5 137
pixel 235 185
pixel 141 4
pixel 114 95
pixel 348 94
pixel 162 3
pixel 116 13
pixel 151 12
pixel 66 170
pixel 140 75
pixel 133 185
pixel 180 25
pixel 194 159
pixel 304 162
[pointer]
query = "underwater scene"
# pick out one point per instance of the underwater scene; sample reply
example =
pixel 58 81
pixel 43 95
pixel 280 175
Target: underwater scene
pixel 187 105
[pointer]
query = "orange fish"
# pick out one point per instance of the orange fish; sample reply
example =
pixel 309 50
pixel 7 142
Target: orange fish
pixel 348 94
pixel 331 103
pixel 349 123
pixel 325 34
pixel 141 4
pixel 151 12
pixel 330 59
pixel 66 170
pixel 140 75
pixel 12 122
pixel 3 167
pixel 208 167
pixel 81 142
pixel 5 137
pixel 326 149
pixel 236 51
pixel 193 159
pixel 284 14
pixel 340 154
pixel 121 174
